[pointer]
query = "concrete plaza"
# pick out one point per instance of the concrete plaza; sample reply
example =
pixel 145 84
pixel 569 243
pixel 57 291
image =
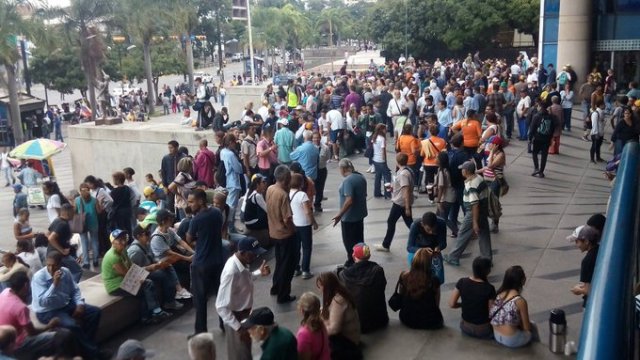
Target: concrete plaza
pixel 538 215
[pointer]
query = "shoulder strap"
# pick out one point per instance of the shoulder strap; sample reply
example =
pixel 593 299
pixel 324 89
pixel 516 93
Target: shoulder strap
pixel 146 254
pixel 502 306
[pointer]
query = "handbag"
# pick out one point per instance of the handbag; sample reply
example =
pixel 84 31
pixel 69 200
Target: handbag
pixel 78 223
pixel 437 268
pixel 396 300
pixel 504 186
pixel 368 152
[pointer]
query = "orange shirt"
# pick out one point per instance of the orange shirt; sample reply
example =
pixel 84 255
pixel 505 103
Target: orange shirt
pixel 409 145
pixel 471 132
pixel 430 149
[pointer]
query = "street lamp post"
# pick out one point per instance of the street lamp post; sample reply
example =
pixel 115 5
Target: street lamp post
pixel 253 70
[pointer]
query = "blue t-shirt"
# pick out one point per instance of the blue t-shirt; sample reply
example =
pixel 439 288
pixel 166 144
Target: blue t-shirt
pixel 206 229
pixel 354 186
pixel 284 139
pixel 90 212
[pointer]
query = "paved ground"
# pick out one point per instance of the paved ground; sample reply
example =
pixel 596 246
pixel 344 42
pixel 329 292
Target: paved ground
pixel 538 215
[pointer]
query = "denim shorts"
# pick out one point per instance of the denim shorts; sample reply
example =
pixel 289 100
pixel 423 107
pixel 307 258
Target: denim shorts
pixel 518 339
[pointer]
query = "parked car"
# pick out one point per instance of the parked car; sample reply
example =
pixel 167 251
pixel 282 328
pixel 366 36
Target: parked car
pixel 122 90
pixel 206 77
pixel 237 57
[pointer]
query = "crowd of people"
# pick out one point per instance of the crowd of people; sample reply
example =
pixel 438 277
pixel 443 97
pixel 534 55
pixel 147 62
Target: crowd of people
pixel 448 123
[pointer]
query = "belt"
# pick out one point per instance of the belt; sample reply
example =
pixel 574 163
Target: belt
pixel 242 314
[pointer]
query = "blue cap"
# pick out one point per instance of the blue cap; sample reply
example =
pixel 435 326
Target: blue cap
pixel 250 244
pixel 117 233
pixel 17 187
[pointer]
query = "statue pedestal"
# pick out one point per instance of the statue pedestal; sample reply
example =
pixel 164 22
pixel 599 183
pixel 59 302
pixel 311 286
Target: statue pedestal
pixel 109 121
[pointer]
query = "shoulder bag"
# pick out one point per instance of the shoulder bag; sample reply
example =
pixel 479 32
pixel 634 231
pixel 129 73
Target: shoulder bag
pixel 396 300
pixel 78 224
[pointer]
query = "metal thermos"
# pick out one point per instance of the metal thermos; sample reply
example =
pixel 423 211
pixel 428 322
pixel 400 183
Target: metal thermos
pixel 557 331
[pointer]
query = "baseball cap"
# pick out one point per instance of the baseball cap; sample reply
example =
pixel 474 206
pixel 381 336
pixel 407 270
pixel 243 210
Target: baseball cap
pixel 361 251
pixel 497 140
pixel 17 187
pixel 299 107
pixel 131 349
pixel 117 233
pixel 468 165
pixel 262 316
pixel 283 121
pixel 147 191
pixel 584 232
pixel 251 244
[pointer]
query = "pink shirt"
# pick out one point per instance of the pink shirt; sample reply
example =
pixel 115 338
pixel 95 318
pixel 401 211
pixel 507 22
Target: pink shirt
pixel 264 162
pixel 315 343
pixel 203 166
pixel 15 313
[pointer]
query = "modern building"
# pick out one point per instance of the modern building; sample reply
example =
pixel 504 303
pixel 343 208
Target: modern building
pixel 590 34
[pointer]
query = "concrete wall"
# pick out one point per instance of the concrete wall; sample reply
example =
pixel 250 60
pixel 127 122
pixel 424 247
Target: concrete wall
pixel 101 150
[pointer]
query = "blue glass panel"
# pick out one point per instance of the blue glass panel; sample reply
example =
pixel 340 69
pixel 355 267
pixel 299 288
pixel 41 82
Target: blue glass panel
pixel 550 30
pixel 627 27
pixel 552 7
pixel 550 54
pixel 628 5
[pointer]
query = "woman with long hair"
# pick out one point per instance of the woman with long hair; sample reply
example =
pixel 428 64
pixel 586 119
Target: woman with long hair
pixel 340 317
pixel 509 314
pixel 410 145
pixel 313 340
pixel 477 296
pixel 182 184
pixel 22 230
pixel 430 148
pixel 55 199
pixel 90 207
pixel 103 197
pixel 29 255
pixel 444 192
pixel 379 143
pixel 493 174
pixel 122 210
pixel 420 292
pixel 254 209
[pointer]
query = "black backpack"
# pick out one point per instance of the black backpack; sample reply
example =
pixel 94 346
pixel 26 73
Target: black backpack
pixel 253 211
pixel 221 173
pixel 545 127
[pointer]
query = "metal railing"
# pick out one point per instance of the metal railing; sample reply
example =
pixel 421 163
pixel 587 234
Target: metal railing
pixel 608 326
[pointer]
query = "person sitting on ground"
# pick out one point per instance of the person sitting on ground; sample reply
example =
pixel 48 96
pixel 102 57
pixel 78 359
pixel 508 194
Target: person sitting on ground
pixel 133 350
pixel 12 264
pixel 7 341
pixel 340 317
pixel 367 283
pixel 57 295
pixel 115 265
pixel 202 347
pixel 152 202
pixel 509 313
pixel 26 252
pixel 313 340
pixel 140 254
pixel 276 341
pixel 477 297
pixel 420 292
pixel 586 238
pixel 31 342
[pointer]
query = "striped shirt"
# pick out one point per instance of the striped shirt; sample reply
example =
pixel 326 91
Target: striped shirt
pixel 475 192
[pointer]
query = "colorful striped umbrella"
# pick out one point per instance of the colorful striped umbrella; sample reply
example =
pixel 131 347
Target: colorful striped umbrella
pixel 38 149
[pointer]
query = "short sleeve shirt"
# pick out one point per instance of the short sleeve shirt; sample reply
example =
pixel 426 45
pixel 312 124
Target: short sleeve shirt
pixel 248 147
pixel 162 242
pixel 110 278
pixel 404 178
pixel 63 230
pixel 355 187
pixel 14 312
pixel 278 211
pixel 298 198
pixel 206 229
pixel 474 192
pixel 475 299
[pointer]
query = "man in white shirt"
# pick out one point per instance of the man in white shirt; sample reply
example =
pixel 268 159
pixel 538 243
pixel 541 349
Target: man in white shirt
pixel 522 109
pixel 235 296
pixel 263 111
pixel 5 167
pixel 336 121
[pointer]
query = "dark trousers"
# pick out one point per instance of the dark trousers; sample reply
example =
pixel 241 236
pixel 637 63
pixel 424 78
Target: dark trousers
pixel 83 330
pixel 164 281
pixel 205 279
pixel 394 214
pixel 320 182
pixel 382 173
pixel 352 234
pixel 541 149
pixel 429 174
pixel 304 235
pixel 286 250
pixel 596 143
pixel 508 118
pixel 147 295
pixel 566 114
pixel 70 263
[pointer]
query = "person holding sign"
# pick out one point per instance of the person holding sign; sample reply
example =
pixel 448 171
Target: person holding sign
pixel 123 278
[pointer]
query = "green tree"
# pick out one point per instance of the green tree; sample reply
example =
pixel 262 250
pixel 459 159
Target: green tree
pixel 58 70
pixel 521 16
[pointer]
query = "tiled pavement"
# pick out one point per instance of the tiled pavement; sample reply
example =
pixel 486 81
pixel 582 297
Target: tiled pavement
pixel 538 215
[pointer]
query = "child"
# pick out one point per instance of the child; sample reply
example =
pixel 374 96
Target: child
pixel 186 117
pixel 445 194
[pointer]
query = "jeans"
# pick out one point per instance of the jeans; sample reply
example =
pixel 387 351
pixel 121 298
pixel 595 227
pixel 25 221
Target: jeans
pixel 454 210
pixel 166 282
pixel 596 143
pixel 58 133
pixel 484 331
pixel 84 331
pixel 508 117
pixel 430 174
pixel 464 236
pixel 566 114
pixel 522 128
pixel 585 105
pixel 205 279
pixel 147 295
pixel 352 234
pixel 286 250
pixel 319 184
pixel 8 175
pixel 222 99
pixel 608 103
pixel 543 150
pixel 70 263
pixel 382 173
pixel 519 339
pixel 45 344
pixel 443 210
pixel 394 214
pixel 304 235
pixel 89 240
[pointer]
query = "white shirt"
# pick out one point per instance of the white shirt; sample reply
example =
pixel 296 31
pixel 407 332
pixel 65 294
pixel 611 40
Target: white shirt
pixel 515 69
pixel 263 111
pixel 31 259
pixel 566 99
pixel 523 104
pixel 335 118
pixel 297 199
pixel 395 108
pixel 52 205
pixel 378 148
pixel 235 292
pixel 597 123
pixel 4 161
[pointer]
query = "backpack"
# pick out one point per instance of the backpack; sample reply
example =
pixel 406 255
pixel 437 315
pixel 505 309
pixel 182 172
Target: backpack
pixel 207 93
pixel 221 174
pixel 562 79
pixel 254 214
pixel 544 130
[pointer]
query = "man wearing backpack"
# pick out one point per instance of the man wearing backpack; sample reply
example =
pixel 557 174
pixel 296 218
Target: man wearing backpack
pixel 540 134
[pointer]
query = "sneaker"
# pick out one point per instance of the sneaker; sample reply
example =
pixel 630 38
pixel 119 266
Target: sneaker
pixel 86 266
pixel 297 273
pixel 371 169
pixel 380 247
pixel 450 261
pixel 161 315
pixel 307 275
pixel 173 306
pixel 96 265
pixel 494 228
pixel 183 294
pixel 585 138
pixel 318 209
pixel 357 152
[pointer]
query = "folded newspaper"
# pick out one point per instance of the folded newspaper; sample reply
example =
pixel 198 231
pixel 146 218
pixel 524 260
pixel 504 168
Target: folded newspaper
pixel 133 280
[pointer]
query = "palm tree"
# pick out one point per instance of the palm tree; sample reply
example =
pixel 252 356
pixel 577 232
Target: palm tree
pixel 333 20
pixel 185 21
pixel 297 29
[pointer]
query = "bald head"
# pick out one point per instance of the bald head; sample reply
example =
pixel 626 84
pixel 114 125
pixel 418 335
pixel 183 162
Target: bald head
pixel 203 143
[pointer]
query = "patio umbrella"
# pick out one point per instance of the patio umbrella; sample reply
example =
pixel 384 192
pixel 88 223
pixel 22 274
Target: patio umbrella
pixel 38 149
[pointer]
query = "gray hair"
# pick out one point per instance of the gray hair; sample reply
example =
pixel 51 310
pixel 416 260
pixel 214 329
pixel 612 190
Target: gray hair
pixel 346 164
pixel 202 347
pixel 281 172
pixel 306 135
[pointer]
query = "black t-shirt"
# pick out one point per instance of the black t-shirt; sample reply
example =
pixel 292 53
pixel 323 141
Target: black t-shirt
pixel 62 228
pixel 587 267
pixel 475 300
pixel 206 229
